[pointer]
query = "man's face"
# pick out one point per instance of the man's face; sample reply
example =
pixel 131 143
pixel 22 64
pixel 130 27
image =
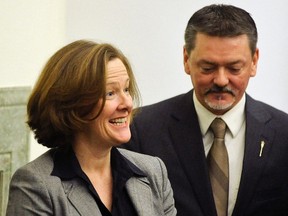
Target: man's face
pixel 220 69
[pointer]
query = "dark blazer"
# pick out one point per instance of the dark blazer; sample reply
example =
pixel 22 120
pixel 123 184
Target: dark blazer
pixel 34 191
pixel 170 130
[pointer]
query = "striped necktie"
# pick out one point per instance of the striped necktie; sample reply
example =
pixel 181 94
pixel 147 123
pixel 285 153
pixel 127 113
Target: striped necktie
pixel 219 167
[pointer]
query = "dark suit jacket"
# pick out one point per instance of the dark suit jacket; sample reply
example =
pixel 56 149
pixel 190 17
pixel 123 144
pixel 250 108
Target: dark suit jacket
pixel 34 191
pixel 170 130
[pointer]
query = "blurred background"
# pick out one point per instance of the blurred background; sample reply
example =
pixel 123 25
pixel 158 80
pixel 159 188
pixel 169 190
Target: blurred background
pixel 150 33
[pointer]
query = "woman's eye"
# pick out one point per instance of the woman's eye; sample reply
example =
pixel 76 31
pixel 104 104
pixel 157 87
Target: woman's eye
pixel 109 94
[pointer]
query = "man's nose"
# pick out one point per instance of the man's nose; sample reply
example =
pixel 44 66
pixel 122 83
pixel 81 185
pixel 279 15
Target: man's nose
pixel 221 77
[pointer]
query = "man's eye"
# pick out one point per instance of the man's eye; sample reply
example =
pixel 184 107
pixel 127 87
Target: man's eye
pixel 207 69
pixel 234 70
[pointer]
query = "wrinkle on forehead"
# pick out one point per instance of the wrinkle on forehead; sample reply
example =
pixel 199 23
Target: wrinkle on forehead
pixel 116 68
pixel 224 51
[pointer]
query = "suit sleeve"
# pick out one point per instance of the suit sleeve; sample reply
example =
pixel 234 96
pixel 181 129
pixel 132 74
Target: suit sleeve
pixel 28 195
pixel 167 192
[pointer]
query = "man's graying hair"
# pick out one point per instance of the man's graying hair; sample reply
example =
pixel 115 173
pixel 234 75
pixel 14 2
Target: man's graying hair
pixel 223 21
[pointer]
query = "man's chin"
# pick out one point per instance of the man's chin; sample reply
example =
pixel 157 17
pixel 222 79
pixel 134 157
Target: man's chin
pixel 219 107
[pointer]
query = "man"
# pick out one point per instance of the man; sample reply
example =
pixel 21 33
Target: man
pixel 220 55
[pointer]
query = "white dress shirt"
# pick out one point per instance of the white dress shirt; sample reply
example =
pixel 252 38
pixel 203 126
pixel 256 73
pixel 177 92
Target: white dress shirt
pixel 234 141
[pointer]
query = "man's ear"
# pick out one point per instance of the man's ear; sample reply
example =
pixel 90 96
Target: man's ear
pixel 186 60
pixel 254 63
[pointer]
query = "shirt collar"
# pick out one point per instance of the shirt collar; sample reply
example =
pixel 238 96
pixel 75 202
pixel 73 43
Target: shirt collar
pixel 66 165
pixel 234 118
pixel 123 166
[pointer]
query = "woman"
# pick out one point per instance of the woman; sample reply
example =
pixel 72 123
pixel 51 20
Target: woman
pixel 81 108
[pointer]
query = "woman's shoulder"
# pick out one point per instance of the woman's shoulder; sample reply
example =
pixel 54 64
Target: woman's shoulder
pixel 41 165
pixel 146 163
pixel 135 155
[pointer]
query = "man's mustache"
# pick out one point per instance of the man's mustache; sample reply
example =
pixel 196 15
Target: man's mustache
pixel 219 89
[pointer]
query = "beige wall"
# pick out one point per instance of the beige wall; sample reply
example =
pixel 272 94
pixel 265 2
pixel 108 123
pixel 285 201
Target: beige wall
pixel 149 32
pixel 31 31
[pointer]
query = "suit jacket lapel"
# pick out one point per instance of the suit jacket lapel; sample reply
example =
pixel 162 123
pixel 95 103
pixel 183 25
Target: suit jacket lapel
pixel 191 152
pixel 257 130
pixel 80 198
pixel 141 195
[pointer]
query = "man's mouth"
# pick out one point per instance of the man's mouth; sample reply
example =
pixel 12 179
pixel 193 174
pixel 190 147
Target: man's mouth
pixel 220 90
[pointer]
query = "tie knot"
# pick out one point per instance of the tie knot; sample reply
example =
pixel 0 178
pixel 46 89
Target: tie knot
pixel 218 127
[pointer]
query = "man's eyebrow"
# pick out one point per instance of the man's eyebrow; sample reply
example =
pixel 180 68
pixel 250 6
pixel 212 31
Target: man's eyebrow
pixel 201 62
pixel 235 62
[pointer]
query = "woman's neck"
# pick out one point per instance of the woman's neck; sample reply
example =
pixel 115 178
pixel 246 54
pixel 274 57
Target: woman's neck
pixel 96 164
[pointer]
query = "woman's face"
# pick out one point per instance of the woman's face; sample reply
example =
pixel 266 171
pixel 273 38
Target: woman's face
pixel 111 127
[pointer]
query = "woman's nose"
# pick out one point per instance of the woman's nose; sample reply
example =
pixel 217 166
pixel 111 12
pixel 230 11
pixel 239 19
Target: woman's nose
pixel 126 101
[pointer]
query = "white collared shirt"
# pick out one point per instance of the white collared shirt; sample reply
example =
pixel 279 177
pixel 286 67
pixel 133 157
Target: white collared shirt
pixel 234 141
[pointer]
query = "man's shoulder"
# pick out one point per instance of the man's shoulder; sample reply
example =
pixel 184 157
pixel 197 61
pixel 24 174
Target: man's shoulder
pixel 260 108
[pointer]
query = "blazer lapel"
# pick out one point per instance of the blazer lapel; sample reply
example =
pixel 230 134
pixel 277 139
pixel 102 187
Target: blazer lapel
pixel 80 198
pixel 141 195
pixel 191 153
pixel 257 131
